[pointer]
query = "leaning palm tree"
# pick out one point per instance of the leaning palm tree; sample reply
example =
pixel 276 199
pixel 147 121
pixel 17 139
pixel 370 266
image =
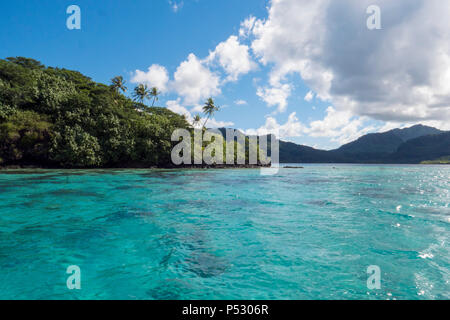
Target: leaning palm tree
pixel 117 84
pixel 154 93
pixel 141 93
pixel 209 109
pixel 196 120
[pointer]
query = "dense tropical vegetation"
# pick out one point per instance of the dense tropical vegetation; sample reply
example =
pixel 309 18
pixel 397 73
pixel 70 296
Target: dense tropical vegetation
pixel 52 117
pixel 442 160
pixel 61 118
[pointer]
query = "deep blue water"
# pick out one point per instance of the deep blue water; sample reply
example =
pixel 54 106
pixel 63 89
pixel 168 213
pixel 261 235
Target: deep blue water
pixel 226 234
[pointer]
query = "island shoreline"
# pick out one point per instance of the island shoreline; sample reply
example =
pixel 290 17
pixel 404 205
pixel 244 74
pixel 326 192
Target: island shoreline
pixel 199 167
pixel 171 167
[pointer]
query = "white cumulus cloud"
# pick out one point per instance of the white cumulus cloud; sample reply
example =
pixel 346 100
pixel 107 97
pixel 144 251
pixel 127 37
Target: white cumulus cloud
pixel 275 96
pixel 195 82
pixel 339 126
pixel 291 128
pixel 155 76
pixel 233 57
pixel 399 73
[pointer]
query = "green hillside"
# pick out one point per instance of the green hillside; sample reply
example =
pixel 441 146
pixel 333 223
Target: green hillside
pixel 423 148
pixel 411 145
pixel 55 117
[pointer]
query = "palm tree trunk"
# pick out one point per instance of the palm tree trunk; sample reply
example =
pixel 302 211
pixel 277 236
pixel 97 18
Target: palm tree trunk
pixel 205 122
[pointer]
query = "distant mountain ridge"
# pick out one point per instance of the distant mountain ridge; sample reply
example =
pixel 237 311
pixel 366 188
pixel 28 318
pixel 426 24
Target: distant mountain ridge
pixel 387 142
pixel 410 145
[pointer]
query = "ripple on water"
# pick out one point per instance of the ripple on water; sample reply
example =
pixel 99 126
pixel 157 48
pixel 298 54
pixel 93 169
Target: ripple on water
pixel 170 289
pixel 227 234
pixel 206 265
pixel 124 214
pixel 321 203
pixel 74 193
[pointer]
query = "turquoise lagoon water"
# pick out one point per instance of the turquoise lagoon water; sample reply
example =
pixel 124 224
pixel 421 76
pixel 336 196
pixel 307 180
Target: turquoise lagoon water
pixel 226 234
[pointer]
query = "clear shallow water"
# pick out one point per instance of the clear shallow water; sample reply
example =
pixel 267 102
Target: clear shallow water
pixel 226 234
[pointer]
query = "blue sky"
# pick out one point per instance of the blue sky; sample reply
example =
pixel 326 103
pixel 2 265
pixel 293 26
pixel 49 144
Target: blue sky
pixel 260 75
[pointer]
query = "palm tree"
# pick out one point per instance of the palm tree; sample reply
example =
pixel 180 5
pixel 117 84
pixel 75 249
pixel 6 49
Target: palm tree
pixel 154 93
pixel 141 93
pixel 196 120
pixel 209 109
pixel 117 83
